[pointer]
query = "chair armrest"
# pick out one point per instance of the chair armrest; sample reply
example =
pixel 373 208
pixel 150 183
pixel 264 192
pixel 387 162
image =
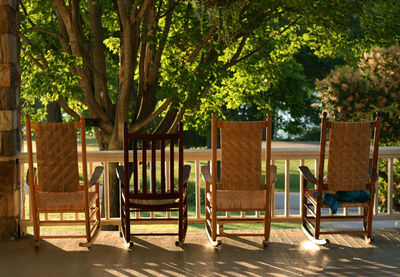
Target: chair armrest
pixel 96 175
pixel 205 172
pixel 308 175
pixel 272 174
pixel 186 173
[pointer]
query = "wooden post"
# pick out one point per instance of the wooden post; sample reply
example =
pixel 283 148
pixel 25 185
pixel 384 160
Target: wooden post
pixel 10 120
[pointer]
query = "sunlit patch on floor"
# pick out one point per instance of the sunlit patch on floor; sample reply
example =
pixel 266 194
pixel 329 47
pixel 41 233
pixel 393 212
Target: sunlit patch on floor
pixel 308 245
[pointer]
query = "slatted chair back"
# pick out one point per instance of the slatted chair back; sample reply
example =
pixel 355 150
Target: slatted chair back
pixel 149 146
pixel 57 157
pixel 349 155
pixel 241 144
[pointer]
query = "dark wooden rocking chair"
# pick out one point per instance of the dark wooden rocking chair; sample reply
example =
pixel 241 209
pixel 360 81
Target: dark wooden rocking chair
pixel 349 169
pixel 145 195
pixel 54 186
pixel 241 188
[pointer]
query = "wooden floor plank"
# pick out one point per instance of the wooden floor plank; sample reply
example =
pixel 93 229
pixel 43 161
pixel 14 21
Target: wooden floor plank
pixel 289 253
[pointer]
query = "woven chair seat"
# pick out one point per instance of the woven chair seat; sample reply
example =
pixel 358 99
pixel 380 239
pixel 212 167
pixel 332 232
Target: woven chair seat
pixel 239 200
pixel 342 204
pixel 63 201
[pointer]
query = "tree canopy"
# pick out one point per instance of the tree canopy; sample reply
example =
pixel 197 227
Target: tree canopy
pixel 153 63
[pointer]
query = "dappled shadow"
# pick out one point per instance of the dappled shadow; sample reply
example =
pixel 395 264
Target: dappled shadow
pixel 287 255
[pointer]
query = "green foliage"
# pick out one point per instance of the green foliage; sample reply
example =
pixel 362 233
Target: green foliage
pixel 45 70
pixel 43 85
pixel 356 93
pixel 381 25
pixel 247 61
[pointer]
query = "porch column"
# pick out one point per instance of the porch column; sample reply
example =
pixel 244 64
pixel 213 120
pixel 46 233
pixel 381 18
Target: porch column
pixel 10 119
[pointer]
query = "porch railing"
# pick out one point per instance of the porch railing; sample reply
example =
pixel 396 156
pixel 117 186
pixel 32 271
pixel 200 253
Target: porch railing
pixel 282 212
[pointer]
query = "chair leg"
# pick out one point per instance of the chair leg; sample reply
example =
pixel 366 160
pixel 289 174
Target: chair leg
pixel 267 218
pixel 126 230
pixel 368 235
pixel 365 219
pixel 317 220
pixel 91 238
pixel 214 224
pixel 185 217
pixel 36 230
pixel 182 221
pixel 267 232
pixel 267 228
pixel 210 221
pixel 36 244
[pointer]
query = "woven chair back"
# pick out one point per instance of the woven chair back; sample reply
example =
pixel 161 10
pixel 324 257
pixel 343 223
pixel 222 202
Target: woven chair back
pixel 348 159
pixel 241 154
pixel 57 157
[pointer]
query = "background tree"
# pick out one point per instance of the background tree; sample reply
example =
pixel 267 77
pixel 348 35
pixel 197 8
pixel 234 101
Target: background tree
pixel 353 93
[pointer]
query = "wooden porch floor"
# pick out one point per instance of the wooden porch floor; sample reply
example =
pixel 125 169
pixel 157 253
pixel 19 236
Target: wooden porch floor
pixel 288 254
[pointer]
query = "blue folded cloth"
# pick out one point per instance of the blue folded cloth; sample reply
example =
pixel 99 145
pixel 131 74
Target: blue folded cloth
pixel 330 200
pixel 333 199
pixel 353 195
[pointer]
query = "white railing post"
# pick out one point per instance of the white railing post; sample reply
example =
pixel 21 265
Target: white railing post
pixel 376 202
pixel 390 187
pixel 301 182
pixel 273 195
pixel 197 186
pixel 106 192
pixel 287 188
pixel 167 168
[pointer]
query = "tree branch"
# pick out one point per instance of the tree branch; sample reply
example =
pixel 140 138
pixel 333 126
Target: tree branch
pixel 178 118
pixel 35 61
pixel 42 65
pixel 67 109
pixel 142 10
pixel 45 31
pixel 238 51
pixel 203 43
pixel 169 10
pixel 139 125
pixel 163 41
pixel 25 12
pixel 121 12
pixel 262 46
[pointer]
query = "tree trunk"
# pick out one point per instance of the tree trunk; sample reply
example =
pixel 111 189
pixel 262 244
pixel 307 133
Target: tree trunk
pixel 54 112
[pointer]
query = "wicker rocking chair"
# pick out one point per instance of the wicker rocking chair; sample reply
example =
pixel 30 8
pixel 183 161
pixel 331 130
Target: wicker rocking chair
pixel 241 188
pixel 54 186
pixel 350 172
